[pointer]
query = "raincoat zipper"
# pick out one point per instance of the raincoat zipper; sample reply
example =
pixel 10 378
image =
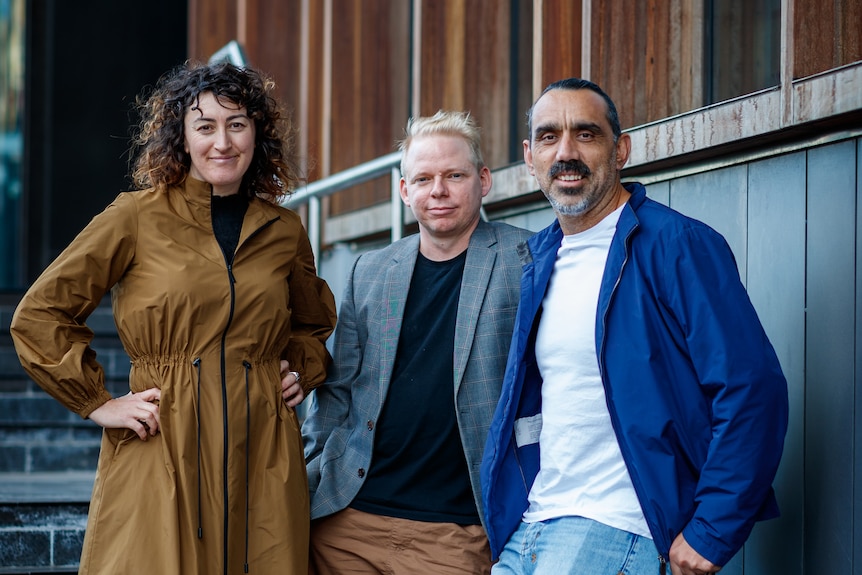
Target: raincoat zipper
pixel 224 399
pixel 229 259
pixel 613 414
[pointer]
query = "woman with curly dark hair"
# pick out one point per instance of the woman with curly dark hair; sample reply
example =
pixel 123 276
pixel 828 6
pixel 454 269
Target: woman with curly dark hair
pixel 218 304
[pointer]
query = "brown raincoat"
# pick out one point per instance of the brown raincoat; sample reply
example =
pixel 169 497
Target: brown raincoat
pixel 227 465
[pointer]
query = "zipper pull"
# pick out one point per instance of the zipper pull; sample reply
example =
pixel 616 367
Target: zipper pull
pixel 230 274
pixel 662 565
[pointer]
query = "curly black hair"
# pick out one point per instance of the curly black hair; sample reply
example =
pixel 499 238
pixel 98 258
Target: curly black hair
pixel 159 159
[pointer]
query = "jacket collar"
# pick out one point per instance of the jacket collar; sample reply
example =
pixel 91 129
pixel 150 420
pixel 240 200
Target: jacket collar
pixel 195 192
pixel 478 269
pixel 539 259
pixel 194 198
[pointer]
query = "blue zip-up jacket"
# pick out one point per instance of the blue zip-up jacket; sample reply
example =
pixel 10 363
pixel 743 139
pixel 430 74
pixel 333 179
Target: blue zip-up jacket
pixel 694 389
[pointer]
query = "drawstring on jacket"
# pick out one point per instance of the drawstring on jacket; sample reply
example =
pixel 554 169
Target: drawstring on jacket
pixel 197 364
pixel 247 366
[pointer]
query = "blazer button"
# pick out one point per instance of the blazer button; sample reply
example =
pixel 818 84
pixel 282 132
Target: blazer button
pixel 361 473
pixel 370 425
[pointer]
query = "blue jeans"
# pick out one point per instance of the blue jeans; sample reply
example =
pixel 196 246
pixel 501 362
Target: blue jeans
pixel 576 546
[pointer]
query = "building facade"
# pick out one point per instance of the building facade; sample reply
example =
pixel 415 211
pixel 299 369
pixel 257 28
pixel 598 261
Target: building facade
pixel 746 114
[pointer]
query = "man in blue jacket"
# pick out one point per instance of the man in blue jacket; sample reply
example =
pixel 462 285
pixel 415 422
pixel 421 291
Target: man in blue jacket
pixel 643 410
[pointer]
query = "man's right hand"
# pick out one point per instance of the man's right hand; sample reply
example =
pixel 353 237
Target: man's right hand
pixel 684 560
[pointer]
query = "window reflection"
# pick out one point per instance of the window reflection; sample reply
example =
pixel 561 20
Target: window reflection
pixel 11 107
pixel 743 45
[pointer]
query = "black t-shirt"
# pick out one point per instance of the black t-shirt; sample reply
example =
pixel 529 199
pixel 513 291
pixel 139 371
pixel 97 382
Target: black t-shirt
pixel 418 470
pixel 227 215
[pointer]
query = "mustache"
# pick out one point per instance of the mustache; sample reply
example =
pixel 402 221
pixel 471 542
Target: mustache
pixel 575 166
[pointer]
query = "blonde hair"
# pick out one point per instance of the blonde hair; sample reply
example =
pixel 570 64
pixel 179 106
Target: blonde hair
pixel 446 123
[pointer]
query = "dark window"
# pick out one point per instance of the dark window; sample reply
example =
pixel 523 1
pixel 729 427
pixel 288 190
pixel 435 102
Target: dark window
pixel 742 46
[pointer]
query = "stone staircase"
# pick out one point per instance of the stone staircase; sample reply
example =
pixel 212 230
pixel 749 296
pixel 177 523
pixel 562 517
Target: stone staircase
pixel 47 457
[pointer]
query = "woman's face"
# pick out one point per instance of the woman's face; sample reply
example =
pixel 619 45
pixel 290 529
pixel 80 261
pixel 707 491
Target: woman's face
pixel 219 137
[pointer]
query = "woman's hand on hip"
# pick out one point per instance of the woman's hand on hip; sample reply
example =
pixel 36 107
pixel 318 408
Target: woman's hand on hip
pixel 135 411
pixel 291 392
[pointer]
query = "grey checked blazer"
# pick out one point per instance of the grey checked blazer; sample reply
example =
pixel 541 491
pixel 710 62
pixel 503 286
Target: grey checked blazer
pixel 339 428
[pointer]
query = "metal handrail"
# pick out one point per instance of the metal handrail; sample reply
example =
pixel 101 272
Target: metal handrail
pixel 345 179
pixel 313 192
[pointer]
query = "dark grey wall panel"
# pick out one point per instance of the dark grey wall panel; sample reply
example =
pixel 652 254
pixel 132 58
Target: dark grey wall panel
pixel 776 285
pixel 659 192
pixel 717 198
pixel 857 380
pixel 830 330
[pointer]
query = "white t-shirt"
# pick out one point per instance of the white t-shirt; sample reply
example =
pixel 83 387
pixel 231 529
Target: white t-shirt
pixel 582 472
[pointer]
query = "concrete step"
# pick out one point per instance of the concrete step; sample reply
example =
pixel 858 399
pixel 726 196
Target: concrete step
pixel 42 521
pixel 49 447
pixel 72 487
pixel 39 435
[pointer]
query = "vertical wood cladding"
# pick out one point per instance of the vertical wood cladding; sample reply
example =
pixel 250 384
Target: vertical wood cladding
pixel 826 34
pixel 369 53
pixel 464 61
pixel 370 90
pixel 648 56
pixel 212 24
pixel 275 49
pixel 465 65
pixel 561 40
pixel 312 113
pixel 355 70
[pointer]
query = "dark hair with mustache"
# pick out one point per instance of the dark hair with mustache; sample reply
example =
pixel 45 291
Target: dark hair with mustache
pixel 575 166
pixel 579 84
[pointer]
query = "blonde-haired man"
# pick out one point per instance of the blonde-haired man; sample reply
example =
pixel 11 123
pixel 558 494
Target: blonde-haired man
pixel 394 438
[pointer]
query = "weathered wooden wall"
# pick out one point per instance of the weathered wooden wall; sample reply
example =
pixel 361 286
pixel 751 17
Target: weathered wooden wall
pixel 353 71
pixel 825 35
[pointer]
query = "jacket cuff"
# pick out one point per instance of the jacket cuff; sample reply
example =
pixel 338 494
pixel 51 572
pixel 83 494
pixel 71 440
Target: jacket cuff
pixel 94 403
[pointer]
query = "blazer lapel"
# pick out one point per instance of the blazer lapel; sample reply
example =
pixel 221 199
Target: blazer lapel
pixel 396 286
pixel 481 257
